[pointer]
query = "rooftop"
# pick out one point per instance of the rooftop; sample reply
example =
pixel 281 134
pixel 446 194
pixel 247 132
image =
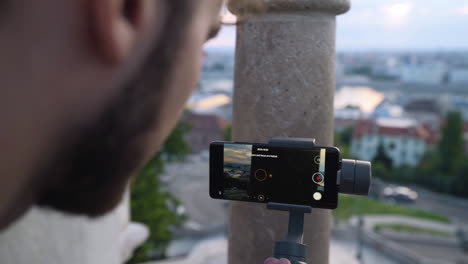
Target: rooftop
pixel 394 127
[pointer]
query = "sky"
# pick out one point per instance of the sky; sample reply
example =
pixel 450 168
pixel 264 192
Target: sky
pixel 237 153
pixel 418 25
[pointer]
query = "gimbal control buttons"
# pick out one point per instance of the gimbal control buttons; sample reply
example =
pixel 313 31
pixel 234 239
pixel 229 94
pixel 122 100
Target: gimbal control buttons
pixel 317 178
pixel 261 198
pixel 260 175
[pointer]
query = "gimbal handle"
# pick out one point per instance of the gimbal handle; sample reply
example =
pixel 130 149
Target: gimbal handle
pixel 292 248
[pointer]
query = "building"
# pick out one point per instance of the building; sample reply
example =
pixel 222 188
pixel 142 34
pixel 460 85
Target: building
pixel 458 75
pixel 428 73
pixel 459 104
pixel 387 109
pixel 405 141
pixel 387 68
pixel 427 111
pixel 218 64
pixel 347 117
pixel 204 128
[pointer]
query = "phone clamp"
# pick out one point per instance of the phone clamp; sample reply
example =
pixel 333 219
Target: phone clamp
pixel 292 142
pixel 292 248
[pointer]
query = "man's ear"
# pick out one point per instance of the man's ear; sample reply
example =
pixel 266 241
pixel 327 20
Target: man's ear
pixel 118 25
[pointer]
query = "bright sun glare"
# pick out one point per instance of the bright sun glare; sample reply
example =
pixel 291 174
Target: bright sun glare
pixel 227 17
pixel 397 15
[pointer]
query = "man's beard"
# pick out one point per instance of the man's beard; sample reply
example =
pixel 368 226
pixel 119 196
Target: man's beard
pixel 89 173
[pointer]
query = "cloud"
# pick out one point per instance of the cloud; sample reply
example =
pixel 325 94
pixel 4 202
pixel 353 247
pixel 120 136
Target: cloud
pixel 392 24
pixel 228 17
pixel 462 10
pixel 238 153
pixel 425 12
pixel 397 15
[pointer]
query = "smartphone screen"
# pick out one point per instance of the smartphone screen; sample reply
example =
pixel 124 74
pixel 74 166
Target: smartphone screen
pixel 264 173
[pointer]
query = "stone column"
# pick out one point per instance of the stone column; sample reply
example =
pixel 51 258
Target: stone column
pixel 284 87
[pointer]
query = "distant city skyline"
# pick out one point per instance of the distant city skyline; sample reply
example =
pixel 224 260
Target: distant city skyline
pixel 418 25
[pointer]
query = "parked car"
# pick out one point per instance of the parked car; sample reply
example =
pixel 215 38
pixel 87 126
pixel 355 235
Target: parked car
pixel 399 194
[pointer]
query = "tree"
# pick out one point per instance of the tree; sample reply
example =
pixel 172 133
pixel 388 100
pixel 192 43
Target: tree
pixel 227 133
pixel 460 186
pixel 151 203
pixel 343 141
pixel 444 170
pixel 175 147
pixel 427 171
pixel 451 145
pixel 382 157
pixel 379 170
pixel 346 136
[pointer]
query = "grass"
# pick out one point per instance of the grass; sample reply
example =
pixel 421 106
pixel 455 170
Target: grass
pixel 352 205
pixel 412 230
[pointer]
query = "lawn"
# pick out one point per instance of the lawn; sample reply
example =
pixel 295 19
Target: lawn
pixel 412 230
pixel 353 205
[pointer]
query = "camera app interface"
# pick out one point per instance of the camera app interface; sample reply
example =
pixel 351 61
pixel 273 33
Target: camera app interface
pixel 263 173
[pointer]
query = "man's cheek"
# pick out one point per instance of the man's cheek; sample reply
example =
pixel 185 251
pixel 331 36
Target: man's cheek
pixel 188 72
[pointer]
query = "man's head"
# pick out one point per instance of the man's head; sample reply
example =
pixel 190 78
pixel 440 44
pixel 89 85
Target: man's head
pixel 90 89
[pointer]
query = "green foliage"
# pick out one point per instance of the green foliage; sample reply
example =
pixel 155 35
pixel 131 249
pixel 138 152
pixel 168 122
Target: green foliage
pixel 362 70
pixel 346 135
pixel 428 173
pixel 381 171
pixel 228 132
pixel 175 147
pixel 382 157
pixel 429 164
pixel 353 205
pixel 459 186
pixel 412 229
pixel 445 169
pixel 343 142
pixel 151 203
pixel 451 145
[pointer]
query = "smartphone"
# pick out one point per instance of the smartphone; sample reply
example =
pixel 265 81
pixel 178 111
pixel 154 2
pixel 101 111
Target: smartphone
pixel 264 173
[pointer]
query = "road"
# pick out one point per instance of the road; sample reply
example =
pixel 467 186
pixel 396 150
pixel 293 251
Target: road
pixel 454 208
pixel 419 246
pixel 188 181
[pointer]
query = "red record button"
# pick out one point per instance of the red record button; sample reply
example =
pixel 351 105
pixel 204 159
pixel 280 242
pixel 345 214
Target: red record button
pixel 317 177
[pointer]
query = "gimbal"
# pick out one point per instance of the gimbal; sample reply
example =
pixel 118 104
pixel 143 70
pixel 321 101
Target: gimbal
pixel 353 178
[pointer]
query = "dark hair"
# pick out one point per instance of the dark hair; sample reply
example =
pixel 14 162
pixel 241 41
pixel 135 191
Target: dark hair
pixel 89 175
